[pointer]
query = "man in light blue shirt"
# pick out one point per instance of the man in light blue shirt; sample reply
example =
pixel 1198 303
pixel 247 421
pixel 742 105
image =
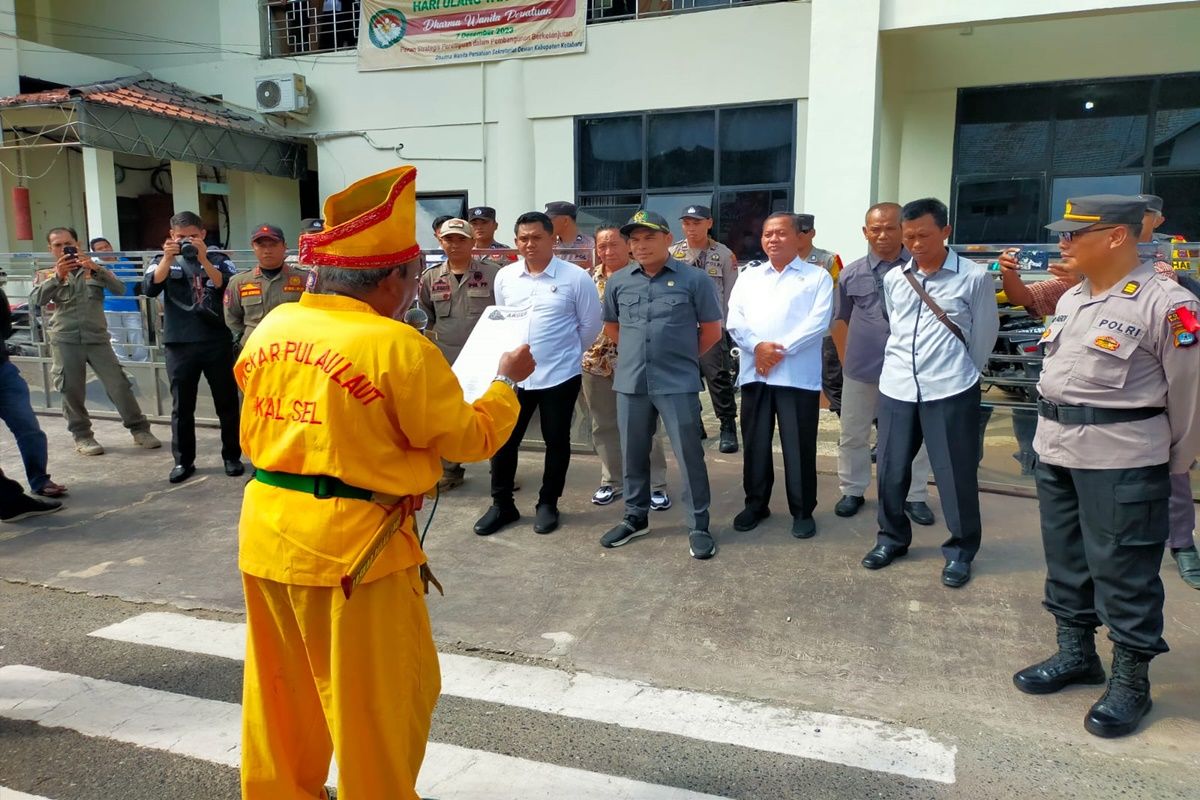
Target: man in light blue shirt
pixel 779 314
pixel 565 319
pixel 929 388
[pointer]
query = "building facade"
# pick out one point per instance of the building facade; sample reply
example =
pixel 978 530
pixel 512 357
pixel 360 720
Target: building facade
pixel 1001 109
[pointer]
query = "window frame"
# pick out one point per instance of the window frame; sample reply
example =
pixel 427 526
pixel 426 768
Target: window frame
pixel 716 187
pixel 1048 174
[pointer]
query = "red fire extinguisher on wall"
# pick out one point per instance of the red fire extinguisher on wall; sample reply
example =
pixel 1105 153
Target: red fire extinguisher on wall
pixel 22 215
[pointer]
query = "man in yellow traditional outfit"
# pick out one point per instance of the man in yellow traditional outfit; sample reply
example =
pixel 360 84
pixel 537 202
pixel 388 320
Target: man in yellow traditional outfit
pixel 347 416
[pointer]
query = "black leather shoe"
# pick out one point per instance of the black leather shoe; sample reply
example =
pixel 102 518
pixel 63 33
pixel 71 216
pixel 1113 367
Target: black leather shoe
pixel 804 527
pixel 729 440
pixel 1188 561
pixel 1075 662
pixel 496 518
pixel 956 574
pixel 181 473
pixel 919 513
pixel 883 554
pixel 545 519
pixel 234 468
pixel 1127 700
pixel 748 519
pixel 848 506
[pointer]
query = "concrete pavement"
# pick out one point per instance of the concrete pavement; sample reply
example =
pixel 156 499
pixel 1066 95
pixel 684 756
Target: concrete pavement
pixel 772 618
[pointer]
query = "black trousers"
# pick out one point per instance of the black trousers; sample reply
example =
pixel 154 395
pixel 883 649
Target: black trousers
pixel 1104 531
pixel 186 362
pixel 557 406
pixel 949 427
pixel 831 374
pixel 715 366
pixel 797 411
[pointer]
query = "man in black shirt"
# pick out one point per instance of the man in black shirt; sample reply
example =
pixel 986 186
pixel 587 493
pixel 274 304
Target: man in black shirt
pixel 196 340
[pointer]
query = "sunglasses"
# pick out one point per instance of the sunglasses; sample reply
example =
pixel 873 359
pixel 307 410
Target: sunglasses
pixel 1066 236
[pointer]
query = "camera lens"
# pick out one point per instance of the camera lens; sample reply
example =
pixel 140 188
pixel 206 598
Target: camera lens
pixel 188 250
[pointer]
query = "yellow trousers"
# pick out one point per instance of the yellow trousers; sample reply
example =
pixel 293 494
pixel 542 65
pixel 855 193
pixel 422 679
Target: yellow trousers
pixel 356 679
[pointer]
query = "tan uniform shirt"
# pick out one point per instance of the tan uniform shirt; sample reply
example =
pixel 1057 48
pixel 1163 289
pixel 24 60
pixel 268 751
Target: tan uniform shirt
pixel 250 296
pixel 580 252
pixel 1121 349
pixel 718 261
pixel 453 305
pixel 78 304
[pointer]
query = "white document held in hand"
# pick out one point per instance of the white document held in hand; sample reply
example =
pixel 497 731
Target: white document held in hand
pixel 500 329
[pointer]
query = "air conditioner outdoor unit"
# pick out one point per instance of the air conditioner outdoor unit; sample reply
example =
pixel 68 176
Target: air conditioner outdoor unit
pixel 281 94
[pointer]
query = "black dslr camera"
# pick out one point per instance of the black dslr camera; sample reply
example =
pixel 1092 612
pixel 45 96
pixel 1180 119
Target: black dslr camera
pixel 187 249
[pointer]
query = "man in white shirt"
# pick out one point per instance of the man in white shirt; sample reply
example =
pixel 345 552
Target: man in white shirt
pixel 565 319
pixel 929 387
pixel 779 313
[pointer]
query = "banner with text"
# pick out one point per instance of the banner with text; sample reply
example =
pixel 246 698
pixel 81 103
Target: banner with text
pixel 422 33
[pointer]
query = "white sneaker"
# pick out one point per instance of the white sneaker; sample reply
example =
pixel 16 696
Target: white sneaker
pixel 147 440
pixel 605 495
pixel 659 501
pixel 88 447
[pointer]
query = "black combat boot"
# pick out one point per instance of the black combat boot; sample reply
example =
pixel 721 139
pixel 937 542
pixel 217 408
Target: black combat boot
pixel 1127 699
pixel 1075 662
pixel 729 440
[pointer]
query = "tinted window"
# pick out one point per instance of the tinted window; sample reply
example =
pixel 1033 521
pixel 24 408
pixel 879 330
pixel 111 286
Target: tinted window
pixel 1181 204
pixel 998 211
pixel 756 144
pixel 610 150
pixel 1004 129
pixel 1177 123
pixel 680 149
pixel 1101 126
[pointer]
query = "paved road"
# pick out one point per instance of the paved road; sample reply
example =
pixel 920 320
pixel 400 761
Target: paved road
pixel 778 670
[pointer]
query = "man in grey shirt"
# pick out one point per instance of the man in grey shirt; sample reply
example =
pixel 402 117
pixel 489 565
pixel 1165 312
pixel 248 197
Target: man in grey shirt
pixel 860 331
pixel 664 315
pixel 929 387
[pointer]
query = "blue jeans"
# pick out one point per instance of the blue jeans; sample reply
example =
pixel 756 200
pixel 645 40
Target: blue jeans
pixel 17 412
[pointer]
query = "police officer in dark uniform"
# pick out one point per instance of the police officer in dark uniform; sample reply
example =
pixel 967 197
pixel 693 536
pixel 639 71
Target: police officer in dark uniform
pixel 1120 391
pixel 196 340
pixel 699 249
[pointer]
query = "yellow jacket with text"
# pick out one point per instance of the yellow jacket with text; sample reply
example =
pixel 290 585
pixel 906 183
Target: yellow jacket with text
pixel 333 388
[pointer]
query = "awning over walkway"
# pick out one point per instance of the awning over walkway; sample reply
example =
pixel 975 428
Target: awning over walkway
pixel 144 116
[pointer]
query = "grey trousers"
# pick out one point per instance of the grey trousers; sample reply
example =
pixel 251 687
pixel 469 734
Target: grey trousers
pixel 70 378
pixel 860 407
pixel 601 401
pixel 637 417
pixel 1182 512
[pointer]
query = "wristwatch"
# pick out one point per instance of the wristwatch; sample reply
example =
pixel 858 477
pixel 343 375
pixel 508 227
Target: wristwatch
pixel 506 380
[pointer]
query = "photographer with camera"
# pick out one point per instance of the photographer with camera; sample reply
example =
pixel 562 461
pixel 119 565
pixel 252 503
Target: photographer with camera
pixel 79 337
pixel 196 340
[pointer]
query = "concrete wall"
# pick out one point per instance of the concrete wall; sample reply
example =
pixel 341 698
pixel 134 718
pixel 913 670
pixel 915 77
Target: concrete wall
pixel 134 32
pixel 924 69
pixel 449 118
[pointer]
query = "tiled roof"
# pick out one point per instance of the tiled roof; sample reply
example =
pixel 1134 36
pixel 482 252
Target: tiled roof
pixel 148 95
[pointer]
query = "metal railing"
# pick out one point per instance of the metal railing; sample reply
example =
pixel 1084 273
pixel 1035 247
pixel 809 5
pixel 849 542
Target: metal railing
pixel 291 27
pixel 617 10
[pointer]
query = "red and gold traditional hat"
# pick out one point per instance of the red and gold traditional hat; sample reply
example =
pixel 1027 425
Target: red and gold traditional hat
pixel 369 224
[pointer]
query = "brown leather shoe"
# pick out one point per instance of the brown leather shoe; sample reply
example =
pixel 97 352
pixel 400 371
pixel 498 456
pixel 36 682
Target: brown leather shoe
pixel 52 489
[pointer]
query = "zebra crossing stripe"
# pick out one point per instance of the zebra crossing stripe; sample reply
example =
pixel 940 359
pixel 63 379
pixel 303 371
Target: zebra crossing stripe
pixel 210 730
pixel 13 794
pixel 849 741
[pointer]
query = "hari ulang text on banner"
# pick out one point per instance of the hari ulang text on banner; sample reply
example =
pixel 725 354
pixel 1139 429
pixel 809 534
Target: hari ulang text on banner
pixel 422 33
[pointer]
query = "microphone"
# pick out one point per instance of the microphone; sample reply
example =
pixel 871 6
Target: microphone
pixel 417 318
